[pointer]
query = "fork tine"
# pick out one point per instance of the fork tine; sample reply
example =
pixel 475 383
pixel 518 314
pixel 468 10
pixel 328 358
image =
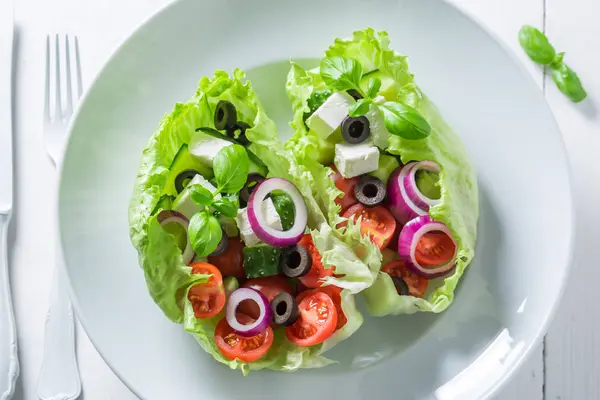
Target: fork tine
pixel 69 94
pixel 78 67
pixel 58 105
pixel 47 95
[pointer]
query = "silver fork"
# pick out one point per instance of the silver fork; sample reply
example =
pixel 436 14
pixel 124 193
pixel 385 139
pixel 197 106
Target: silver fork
pixel 59 376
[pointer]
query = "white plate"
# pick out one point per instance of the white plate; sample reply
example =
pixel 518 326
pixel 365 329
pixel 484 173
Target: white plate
pixel 504 302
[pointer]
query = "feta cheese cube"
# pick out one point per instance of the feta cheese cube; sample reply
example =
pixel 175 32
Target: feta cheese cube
pixel 379 134
pixel 205 147
pixel 184 203
pixel 330 115
pixel 356 159
pixel 271 217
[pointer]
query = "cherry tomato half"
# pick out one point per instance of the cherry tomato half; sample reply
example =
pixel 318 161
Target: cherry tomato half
pixel 417 285
pixel 231 262
pixel 270 287
pixel 207 299
pixel 317 271
pixel 246 349
pixel 336 295
pixel 434 248
pixel 377 222
pixel 317 320
pixel 346 186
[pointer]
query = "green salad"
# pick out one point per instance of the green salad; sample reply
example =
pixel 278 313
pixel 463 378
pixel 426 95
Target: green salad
pixel 259 249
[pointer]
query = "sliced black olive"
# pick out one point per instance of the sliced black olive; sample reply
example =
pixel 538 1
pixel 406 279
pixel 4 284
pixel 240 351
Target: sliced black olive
pixel 225 115
pixel 356 130
pixel 221 247
pixel 184 178
pixel 285 309
pixel 253 179
pixel 370 191
pixel 296 261
pixel 355 95
pixel 241 127
pixel 401 286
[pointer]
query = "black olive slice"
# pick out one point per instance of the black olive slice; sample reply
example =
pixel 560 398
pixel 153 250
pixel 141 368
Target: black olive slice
pixel 241 127
pixel 221 247
pixel 355 95
pixel 356 130
pixel 401 286
pixel 253 179
pixel 296 261
pixel 285 309
pixel 184 178
pixel 370 191
pixel 225 115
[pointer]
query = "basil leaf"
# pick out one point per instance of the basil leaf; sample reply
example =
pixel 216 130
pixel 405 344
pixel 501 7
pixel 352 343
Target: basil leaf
pixel 373 87
pixel 205 233
pixel 361 107
pixel 200 195
pixel 340 73
pixel 569 83
pixel 225 207
pixel 404 121
pixel 231 166
pixel 536 45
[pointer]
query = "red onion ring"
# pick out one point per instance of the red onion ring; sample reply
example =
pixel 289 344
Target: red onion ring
pixel 401 206
pixel 410 185
pixel 168 216
pixel 257 221
pixel 260 324
pixel 409 238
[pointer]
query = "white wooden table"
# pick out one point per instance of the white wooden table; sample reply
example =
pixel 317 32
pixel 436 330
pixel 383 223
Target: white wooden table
pixel 565 367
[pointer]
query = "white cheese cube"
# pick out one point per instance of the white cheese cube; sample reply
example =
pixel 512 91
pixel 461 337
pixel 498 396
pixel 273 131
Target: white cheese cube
pixel 271 217
pixel 184 203
pixel 356 159
pixel 205 147
pixel 330 115
pixel 379 134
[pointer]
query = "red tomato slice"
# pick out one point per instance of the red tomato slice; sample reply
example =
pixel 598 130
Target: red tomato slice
pixel 346 186
pixel 231 262
pixel 417 285
pixel 270 286
pixel 233 346
pixel 434 248
pixel 208 299
pixel 336 295
pixel 377 222
pixel 317 271
pixel 317 320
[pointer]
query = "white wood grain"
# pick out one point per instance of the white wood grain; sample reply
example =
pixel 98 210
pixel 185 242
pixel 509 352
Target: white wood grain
pixel 572 347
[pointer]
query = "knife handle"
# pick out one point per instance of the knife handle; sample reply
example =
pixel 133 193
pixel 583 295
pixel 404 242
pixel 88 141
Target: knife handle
pixel 59 376
pixel 9 364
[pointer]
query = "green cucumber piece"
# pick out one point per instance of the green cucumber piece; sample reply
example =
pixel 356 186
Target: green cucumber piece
pixel 284 207
pixel 230 284
pixel 387 165
pixel 184 160
pixel 261 261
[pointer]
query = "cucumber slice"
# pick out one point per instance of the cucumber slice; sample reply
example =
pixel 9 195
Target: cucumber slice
pixel 184 160
pixel 261 261
pixel 230 284
pixel 387 165
pixel 285 208
pixel 164 203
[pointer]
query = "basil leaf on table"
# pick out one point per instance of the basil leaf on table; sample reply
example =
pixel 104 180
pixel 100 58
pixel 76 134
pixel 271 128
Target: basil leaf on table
pixel 200 195
pixel 340 73
pixel 569 83
pixel 231 166
pixel 373 87
pixel 205 233
pixel 361 107
pixel 536 45
pixel 404 121
pixel 225 207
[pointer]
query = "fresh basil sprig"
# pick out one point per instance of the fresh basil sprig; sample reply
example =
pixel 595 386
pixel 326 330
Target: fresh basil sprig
pixel 205 233
pixel 341 73
pixel 538 48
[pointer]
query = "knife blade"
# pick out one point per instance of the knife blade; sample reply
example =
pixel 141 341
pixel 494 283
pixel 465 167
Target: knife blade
pixel 6 159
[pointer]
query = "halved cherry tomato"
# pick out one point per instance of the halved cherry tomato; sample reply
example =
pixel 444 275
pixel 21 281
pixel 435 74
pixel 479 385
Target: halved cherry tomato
pixel 417 285
pixel 377 222
pixel 233 346
pixel 394 242
pixel 231 262
pixel 317 271
pixel 434 248
pixel 317 320
pixel 270 287
pixel 346 186
pixel 207 299
pixel 336 295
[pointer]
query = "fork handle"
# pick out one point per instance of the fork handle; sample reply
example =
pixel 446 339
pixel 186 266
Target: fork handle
pixel 59 376
pixel 9 364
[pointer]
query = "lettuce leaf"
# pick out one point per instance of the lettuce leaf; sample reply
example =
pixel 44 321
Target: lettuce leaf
pixel 459 206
